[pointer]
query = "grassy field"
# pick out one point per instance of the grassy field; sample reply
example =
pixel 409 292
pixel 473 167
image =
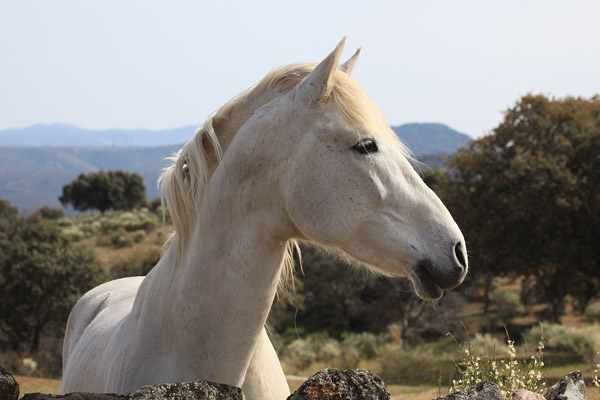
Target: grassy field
pixel 38 385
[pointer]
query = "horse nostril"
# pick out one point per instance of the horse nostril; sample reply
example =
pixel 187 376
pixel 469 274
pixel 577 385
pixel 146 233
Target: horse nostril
pixel 460 254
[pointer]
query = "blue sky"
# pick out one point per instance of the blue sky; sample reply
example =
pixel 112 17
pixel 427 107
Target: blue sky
pixel 161 64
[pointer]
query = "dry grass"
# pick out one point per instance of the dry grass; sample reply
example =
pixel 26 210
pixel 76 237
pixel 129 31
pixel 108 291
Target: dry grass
pixel 38 385
pixel 109 256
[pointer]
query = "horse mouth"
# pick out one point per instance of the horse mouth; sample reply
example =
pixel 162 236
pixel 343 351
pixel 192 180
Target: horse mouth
pixel 425 285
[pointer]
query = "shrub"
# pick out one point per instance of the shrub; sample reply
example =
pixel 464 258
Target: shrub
pixel 138 235
pixel 302 353
pixel 28 365
pixel 508 303
pixel 121 240
pixel 138 264
pixel 110 222
pixel 365 343
pixel 596 380
pixel 73 233
pixel 403 367
pixel 347 353
pixel 488 344
pixel 509 374
pixel 581 340
pixel 592 310
pixel 41 278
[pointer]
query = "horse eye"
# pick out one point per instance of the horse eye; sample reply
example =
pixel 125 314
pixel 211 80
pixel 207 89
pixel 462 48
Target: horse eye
pixel 366 146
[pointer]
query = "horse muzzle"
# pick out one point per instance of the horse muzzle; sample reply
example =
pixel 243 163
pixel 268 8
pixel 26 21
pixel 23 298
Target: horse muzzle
pixel 431 279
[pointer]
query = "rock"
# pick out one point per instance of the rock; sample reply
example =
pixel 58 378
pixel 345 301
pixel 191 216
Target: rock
pixel 570 387
pixel 522 394
pixel 482 391
pixel 200 390
pixel 9 388
pixel 73 396
pixel 333 384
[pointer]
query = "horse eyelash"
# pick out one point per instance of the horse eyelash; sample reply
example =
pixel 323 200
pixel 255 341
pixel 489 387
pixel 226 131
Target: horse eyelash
pixel 366 146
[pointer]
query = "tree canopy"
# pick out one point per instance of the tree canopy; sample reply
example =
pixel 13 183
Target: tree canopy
pixel 527 196
pixel 105 190
pixel 41 278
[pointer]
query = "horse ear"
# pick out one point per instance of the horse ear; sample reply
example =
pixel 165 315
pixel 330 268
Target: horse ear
pixel 348 66
pixel 319 83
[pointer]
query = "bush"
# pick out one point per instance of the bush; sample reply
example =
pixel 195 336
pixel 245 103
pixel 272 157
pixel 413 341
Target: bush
pixel 595 379
pixel 138 235
pixel 507 305
pixel 111 222
pixel 488 344
pixel 581 340
pixel 73 233
pixel 50 213
pixel 410 367
pixel 508 373
pixel 139 264
pixel 41 278
pixel 366 343
pixel 592 310
pixel 302 353
pixel 121 240
pixel 350 352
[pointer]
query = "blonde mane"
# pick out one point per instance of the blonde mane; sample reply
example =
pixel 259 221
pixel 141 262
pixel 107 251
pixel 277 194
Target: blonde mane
pixel 183 183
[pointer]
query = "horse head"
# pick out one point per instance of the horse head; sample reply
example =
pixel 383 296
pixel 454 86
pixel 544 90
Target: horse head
pixel 347 182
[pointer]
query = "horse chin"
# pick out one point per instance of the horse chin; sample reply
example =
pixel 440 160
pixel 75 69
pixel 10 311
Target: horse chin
pixel 425 286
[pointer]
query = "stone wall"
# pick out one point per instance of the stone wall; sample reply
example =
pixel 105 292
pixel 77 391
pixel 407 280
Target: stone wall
pixel 329 384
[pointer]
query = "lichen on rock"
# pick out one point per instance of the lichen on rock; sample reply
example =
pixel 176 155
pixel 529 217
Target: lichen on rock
pixel 570 387
pixel 187 391
pixel 481 391
pixel 9 388
pixel 333 384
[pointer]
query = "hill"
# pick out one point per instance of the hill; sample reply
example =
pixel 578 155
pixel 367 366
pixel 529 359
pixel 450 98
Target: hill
pixel 36 162
pixel 421 138
pixel 31 177
pixel 65 135
pixel 430 138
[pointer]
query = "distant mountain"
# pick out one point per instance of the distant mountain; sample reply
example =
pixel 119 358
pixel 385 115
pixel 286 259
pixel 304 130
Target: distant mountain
pixel 31 177
pixel 430 138
pixel 421 138
pixel 64 135
pixel 36 162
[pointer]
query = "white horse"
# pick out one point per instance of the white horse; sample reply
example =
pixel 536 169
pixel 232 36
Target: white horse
pixel 303 155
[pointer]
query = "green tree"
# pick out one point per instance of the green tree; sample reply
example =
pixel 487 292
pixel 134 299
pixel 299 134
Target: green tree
pixel 116 190
pixel 528 200
pixel 10 220
pixel 335 297
pixel 50 213
pixel 41 278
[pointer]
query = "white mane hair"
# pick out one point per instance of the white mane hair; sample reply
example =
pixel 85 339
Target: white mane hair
pixel 183 183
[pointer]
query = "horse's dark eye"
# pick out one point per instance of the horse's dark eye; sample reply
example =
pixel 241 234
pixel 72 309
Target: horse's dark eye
pixel 366 146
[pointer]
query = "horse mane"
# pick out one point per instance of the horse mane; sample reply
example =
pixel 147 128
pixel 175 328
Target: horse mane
pixel 183 183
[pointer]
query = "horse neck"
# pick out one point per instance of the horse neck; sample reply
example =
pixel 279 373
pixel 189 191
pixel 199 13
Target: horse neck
pixel 228 123
pixel 220 295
